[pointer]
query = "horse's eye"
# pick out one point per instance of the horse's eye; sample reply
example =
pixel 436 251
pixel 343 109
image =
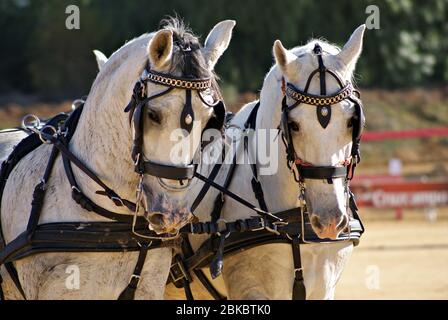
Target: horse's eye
pixel 294 126
pixel 154 116
pixel 350 123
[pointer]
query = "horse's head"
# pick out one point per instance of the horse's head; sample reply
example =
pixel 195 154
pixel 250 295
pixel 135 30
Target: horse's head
pixel 172 119
pixel 321 135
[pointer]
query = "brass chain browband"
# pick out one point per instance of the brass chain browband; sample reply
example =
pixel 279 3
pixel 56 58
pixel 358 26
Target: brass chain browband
pixel 318 100
pixel 180 83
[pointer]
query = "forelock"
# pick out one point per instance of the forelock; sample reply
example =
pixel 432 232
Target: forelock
pixel 184 38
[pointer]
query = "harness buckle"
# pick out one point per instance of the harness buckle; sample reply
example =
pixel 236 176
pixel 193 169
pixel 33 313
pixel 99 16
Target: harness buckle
pixel 262 227
pixel 43 184
pixel 117 201
pixel 265 226
pixel 134 276
pixel 296 273
pixel 273 230
pixel 179 272
pixel 222 226
pixel 137 159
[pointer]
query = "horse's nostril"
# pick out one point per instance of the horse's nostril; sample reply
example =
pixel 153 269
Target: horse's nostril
pixel 156 219
pixel 315 222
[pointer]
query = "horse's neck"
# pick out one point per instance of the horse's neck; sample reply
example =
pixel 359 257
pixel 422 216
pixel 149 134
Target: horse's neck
pixel 103 137
pixel 280 189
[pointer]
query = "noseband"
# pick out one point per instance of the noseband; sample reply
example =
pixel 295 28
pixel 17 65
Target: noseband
pixel 323 104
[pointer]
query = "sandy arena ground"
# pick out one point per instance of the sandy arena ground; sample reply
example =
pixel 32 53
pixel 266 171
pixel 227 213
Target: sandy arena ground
pixel 406 259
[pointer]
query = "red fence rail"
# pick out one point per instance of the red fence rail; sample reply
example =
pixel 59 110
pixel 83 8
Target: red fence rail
pixel 404 134
pixel 397 193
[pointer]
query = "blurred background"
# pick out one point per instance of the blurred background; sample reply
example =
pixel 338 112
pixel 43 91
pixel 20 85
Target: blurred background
pixel 402 182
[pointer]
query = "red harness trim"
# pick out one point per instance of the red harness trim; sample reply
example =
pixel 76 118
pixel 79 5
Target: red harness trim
pixel 345 163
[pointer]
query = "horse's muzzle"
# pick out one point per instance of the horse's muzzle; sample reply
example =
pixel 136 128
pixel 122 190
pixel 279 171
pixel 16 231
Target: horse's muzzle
pixel 164 214
pixel 329 229
pixel 168 222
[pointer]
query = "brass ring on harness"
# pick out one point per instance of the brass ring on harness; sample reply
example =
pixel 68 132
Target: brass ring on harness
pixel 41 133
pixel 29 125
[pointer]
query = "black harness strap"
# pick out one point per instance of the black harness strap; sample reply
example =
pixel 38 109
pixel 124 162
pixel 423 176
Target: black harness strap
pixel 322 172
pixel 15 278
pixel 129 292
pixel 69 158
pixel 253 232
pixel 168 172
pixel 61 144
pixel 217 263
pixel 298 290
pixel 36 206
pixel 203 192
pixel 323 115
pixel 79 237
pixel 24 147
pixel 232 195
pixel 180 275
pixel 256 184
pixel 39 194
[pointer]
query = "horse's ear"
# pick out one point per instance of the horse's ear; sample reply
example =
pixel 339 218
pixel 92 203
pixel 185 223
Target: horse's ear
pixel 160 49
pixel 217 42
pixel 283 57
pixel 101 59
pixel 352 49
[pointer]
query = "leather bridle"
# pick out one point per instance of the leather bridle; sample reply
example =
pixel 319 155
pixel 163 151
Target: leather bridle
pixel 323 103
pixel 135 109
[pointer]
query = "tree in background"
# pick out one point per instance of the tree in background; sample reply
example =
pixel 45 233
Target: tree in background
pixel 40 55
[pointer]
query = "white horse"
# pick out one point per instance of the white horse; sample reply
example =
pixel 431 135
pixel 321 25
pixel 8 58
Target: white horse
pixel 103 141
pixel 8 140
pixel 267 271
